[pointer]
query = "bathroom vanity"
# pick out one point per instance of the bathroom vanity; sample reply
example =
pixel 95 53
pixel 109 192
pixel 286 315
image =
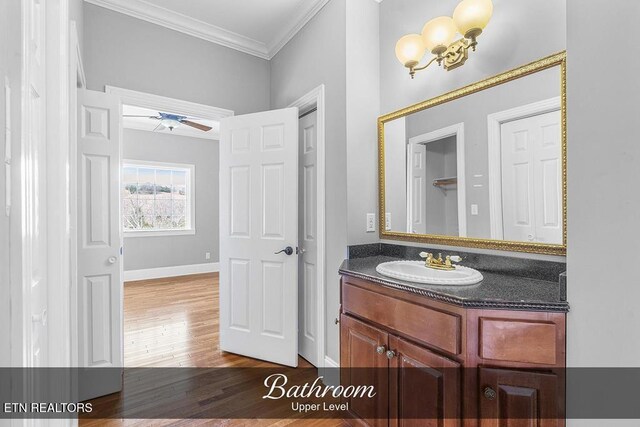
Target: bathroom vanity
pixel 480 355
pixel 481 343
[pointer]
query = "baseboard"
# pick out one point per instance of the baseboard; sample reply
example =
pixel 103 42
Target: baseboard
pixel 331 372
pixel 330 363
pixel 178 270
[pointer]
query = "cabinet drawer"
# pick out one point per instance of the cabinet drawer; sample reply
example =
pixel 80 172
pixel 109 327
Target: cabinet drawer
pixel 522 341
pixel 433 327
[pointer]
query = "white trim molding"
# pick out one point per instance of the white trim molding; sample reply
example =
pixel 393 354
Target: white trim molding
pixel 158 102
pixel 456 130
pixel 494 123
pixel 177 21
pixel 175 271
pixel 316 99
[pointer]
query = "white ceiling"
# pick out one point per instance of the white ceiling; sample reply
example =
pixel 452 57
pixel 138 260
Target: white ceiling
pixel 257 27
pixel 147 124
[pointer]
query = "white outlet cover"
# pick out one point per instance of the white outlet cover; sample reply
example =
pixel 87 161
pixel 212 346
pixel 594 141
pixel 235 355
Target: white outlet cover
pixel 371 222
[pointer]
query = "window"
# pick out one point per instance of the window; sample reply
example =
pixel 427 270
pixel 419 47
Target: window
pixel 157 198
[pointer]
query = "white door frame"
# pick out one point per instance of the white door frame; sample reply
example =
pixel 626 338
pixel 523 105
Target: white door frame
pixel 494 123
pixel 456 130
pixel 126 97
pixel 77 81
pixel 316 98
pixel 56 160
pixel 163 103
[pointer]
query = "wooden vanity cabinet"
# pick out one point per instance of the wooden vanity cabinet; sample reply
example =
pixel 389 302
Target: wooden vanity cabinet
pixel 437 364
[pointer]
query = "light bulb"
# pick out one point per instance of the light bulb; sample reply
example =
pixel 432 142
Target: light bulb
pixel 438 34
pixel 410 50
pixel 472 16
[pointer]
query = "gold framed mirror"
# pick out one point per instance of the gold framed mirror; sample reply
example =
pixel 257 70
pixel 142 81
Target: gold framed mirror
pixel 483 166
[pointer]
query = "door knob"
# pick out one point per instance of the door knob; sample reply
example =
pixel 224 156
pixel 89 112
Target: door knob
pixel 381 349
pixel 489 393
pixel 112 260
pixel 288 250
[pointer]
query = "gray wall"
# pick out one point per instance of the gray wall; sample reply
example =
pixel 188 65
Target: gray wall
pixel 316 55
pixel 363 109
pixel 472 110
pixel 126 52
pixel 603 153
pixel 152 252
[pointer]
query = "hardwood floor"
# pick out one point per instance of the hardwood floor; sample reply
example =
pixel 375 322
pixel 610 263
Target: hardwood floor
pixel 174 322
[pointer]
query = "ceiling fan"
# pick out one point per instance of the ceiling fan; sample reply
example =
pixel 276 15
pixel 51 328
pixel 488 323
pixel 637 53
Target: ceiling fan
pixel 172 121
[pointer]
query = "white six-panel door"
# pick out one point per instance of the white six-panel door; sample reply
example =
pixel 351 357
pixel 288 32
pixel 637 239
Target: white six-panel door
pixel 532 179
pixel 308 235
pixel 259 217
pixel 100 291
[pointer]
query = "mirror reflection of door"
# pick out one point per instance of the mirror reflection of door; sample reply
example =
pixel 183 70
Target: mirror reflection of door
pixel 532 178
pixel 434 187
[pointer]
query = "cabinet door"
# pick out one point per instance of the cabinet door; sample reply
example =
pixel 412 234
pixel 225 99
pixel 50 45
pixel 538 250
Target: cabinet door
pixel 363 362
pixel 520 399
pixel 424 388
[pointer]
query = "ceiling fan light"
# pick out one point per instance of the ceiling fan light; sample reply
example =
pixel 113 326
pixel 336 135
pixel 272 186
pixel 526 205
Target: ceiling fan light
pixel 410 50
pixel 472 16
pixel 170 124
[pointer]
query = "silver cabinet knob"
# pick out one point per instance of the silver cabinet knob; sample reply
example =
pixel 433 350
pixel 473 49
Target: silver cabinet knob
pixel 381 349
pixel 391 354
pixel 112 260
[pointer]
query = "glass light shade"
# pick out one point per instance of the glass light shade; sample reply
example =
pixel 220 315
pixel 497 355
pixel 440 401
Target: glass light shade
pixel 410 50
pixel 438 34
pixel 472 16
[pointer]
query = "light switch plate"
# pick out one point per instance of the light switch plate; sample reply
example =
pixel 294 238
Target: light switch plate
pixel 371 222
pixel 474 210
pixel 387 221
pixel 207 255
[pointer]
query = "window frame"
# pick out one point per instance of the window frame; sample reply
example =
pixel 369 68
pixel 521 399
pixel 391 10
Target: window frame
pixel 190 205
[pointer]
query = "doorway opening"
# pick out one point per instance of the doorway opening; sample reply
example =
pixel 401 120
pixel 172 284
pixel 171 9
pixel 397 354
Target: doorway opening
pixel 436 182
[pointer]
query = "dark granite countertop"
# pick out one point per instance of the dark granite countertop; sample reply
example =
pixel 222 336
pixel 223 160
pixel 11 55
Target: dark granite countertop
pixel 496 291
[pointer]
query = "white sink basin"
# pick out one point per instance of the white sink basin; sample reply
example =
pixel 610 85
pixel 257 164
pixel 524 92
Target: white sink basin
pixel 415 271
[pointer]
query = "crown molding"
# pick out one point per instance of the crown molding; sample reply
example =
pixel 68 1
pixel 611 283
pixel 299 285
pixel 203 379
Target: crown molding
pixel 288 33
pixel 176 21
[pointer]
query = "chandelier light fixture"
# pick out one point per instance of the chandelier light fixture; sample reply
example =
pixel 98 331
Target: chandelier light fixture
pixel 439 37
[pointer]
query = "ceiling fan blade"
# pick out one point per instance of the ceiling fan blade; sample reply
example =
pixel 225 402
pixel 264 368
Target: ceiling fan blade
pixel 203 128
pixel 144 117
